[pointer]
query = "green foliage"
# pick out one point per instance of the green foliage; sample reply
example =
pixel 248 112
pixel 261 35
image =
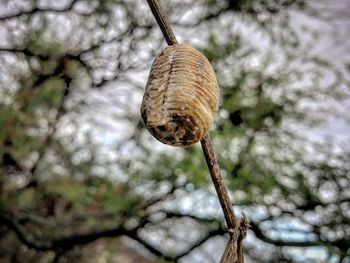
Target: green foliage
pixel 49 151
pixel 194 167
pixel 38 45
pixel 19 122
pixel 216 51
pixel 48 95
pixel 26 199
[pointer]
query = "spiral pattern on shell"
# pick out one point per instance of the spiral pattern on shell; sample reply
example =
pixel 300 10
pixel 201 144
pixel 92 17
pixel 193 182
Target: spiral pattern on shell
pixel 181 97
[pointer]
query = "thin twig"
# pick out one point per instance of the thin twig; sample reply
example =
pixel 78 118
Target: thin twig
pixel 233 251
pixel 162 21
pixel 220 188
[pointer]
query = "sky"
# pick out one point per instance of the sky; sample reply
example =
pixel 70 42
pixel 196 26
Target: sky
pixel 332 45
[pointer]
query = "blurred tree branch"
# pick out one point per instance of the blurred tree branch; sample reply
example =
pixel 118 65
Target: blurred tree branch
pixel 91 186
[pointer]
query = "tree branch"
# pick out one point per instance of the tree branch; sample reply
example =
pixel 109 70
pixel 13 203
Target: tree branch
pixel 23 235
pixel 259 233
pixel 65 243
pixel 226 205
pixel 162 21
pixel 149 247
pixel 208 235
pixel 220 188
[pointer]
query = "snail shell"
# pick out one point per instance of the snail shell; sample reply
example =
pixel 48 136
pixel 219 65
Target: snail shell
pixel 181 97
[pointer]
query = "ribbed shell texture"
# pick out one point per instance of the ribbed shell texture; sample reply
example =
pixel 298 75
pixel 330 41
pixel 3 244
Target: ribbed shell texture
pixel 181 97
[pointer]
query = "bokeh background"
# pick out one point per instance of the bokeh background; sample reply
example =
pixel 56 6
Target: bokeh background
pixel 81 180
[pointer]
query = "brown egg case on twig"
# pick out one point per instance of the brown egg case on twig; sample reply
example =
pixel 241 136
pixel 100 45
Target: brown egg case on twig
pixel 181 97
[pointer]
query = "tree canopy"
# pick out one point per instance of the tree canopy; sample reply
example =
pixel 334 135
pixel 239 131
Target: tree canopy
pixel 78 166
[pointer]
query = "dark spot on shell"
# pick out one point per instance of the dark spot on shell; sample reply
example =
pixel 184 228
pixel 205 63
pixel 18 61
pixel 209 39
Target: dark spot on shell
pixel 169 138
pixel 162 128
pixel 152 130
pixel 187 123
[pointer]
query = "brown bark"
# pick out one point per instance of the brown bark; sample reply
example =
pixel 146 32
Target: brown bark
pixel 237 229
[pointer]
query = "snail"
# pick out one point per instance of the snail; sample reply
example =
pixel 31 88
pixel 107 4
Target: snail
pixel 181 97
